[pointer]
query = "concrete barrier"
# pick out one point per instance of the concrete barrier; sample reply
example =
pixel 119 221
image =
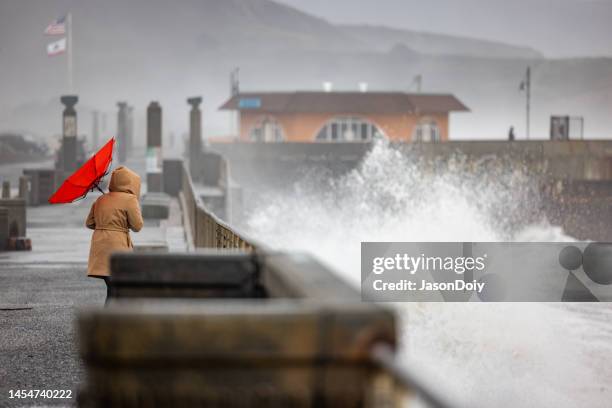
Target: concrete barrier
pixel 287 332
pixel 257 165
pixel 191 275
pixel 155 205
pixel 16 208
pixel 308 345
pixel 581 207
pixel 13 225
pixel 584 164
pixel 172 175
pixel 233 354
pixel 6 189
pixel 4 228
pixel 224 274
pixel 43 183
pixel 302 276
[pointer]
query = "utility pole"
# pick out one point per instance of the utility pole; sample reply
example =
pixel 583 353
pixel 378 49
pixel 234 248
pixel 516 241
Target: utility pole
pixel 234 91
pixel 528 91
pixel 526 86
pixel 235 81
pixel 418 80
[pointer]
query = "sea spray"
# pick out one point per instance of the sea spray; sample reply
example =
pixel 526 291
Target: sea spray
pixel 504 355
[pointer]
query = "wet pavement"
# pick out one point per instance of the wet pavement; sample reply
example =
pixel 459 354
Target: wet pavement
pixel 41 291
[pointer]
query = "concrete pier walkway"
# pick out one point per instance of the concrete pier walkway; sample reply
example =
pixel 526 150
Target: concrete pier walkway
pixel 40 292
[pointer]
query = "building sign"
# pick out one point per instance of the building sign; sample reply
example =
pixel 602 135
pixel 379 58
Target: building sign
pixel 70 126
pixel 154 160
pixel 249 103
pixel 559 127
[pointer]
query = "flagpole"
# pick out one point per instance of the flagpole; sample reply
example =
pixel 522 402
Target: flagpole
pixel 69 50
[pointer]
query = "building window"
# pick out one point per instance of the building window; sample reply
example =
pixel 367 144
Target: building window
pixel 426 130
pixel 267 130
pixel 349 129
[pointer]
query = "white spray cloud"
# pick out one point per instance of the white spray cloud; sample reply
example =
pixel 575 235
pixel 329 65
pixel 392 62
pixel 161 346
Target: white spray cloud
pixel 504 354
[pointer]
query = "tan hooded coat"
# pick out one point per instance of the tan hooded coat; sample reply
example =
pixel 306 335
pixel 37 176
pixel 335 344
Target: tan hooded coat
pixel 111 217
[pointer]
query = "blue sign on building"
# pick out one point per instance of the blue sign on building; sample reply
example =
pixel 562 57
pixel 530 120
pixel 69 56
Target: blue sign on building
pixel 249 103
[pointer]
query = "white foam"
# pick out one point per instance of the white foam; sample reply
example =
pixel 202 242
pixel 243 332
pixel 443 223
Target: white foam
pixel 505 354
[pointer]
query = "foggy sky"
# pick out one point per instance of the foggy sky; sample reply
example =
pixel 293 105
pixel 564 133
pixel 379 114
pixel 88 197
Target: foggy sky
pixel 144 50
pixel 557 28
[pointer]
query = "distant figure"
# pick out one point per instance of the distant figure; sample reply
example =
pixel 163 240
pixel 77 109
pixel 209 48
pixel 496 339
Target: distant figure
pixel 111 217
pixel 511 134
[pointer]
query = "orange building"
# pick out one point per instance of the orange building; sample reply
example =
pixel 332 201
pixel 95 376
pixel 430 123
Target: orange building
pixel 342 116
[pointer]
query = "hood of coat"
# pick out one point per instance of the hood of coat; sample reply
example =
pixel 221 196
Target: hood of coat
pixel 125 180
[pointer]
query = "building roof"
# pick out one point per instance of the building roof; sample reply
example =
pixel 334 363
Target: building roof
pixel 343 102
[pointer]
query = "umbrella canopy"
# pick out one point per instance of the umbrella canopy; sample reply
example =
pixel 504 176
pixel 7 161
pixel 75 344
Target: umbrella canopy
pixel 86 177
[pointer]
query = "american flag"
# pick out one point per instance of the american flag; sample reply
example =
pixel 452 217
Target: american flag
pixel 57 27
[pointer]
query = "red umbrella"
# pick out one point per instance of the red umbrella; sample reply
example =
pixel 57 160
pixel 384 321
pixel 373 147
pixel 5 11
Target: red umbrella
pixel 86 178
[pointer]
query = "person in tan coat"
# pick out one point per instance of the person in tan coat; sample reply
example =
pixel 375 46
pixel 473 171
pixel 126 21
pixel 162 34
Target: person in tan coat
pixel 111 217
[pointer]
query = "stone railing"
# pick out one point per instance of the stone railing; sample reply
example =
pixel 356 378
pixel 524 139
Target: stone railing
pixel 205 229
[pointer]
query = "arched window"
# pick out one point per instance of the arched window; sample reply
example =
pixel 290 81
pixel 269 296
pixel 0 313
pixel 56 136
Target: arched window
pixel 426 130
pixel 349 129
pixel 267 130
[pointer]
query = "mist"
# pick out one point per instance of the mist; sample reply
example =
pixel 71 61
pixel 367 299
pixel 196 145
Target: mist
pixel 483 355
pixel 126 51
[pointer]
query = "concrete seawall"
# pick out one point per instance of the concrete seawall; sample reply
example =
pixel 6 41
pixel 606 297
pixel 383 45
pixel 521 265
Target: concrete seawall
pixel 574 177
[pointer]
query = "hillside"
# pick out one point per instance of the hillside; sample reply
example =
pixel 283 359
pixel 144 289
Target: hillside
pixel 557 28
pixel 145 50
pixel 382 39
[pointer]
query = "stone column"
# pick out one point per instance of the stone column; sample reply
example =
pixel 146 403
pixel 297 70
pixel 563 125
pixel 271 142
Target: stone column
pixel 95 130
pixel 154 148
pixel 103 127
pixel 122 142
pixel 195 134
pixel 24 188
pixel 69 134
pixel 6 189
pixel 130 129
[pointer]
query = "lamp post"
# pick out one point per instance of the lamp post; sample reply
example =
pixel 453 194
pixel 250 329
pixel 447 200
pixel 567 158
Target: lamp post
pixel 154 146
pixel 195 133
pixel 69 133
